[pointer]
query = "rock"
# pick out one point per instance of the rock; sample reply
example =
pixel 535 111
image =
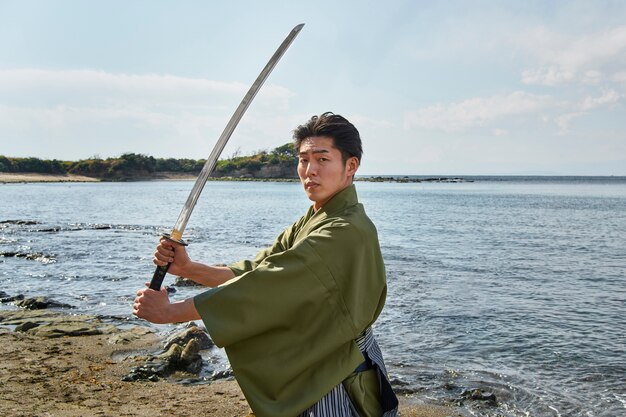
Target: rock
pixel 478 395
pixel 16 317
pixel 190 352
pixel 449 386
pixel 9 299
pixel 397 382
pixel 184 282
pixel 50 230
pixel 190 357
pixel 39 303
pixel 222 374
pixel 65 329
pixel 128 336
pixel 184 358
pixel 148 371
pixel 172 355
pixel 401 387
pixel 174 359
pixel 49 323
pixel 32 256
pixel 192 332
pixel 26 326
pixel 19 222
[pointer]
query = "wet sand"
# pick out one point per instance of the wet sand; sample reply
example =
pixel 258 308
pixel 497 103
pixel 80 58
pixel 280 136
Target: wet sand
pixel 81 376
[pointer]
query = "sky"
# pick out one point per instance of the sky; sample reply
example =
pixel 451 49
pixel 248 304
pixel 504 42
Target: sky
pixel 434 88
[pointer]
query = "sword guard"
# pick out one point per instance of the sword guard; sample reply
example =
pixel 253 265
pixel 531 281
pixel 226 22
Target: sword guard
pixel 171 239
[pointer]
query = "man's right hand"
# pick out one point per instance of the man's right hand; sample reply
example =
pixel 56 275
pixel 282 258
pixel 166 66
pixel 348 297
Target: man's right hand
pixel 169 252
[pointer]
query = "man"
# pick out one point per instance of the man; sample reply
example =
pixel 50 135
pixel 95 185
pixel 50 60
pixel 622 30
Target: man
pixel 295 321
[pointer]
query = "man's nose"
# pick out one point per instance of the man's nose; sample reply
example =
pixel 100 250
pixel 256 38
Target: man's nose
pixel 311 168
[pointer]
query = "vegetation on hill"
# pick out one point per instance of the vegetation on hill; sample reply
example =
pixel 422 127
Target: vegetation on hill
pixel 278 163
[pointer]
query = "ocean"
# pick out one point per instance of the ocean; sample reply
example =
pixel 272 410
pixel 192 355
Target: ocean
pixel 512 285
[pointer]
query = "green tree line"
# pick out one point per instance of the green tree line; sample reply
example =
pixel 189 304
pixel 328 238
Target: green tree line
pixel 132 165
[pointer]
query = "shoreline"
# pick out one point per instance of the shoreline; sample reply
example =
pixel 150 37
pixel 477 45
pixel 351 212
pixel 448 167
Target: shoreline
pixel 32 177
pixel 81 374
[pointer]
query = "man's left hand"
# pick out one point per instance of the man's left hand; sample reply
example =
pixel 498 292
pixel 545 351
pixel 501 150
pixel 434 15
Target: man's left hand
pixel 152 305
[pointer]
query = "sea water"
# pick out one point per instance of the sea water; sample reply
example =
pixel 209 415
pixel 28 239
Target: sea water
pixel 512 285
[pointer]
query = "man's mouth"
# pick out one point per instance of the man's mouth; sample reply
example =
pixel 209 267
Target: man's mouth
pixel 310 185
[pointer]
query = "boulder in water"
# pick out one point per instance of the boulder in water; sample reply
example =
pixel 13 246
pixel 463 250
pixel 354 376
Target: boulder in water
pixel 6 298
pixel 191 332
pixel 39 303
pixel 488 398
pixel 174 359
pixel 181 353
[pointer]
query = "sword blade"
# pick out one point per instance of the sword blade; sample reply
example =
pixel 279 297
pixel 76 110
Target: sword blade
pixel 210 163
pixel 181 223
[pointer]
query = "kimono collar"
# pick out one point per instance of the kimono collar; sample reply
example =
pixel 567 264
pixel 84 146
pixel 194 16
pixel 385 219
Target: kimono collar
pixel 343 199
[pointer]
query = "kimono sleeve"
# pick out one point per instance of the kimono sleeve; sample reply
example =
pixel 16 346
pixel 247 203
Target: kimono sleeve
pixel 280 244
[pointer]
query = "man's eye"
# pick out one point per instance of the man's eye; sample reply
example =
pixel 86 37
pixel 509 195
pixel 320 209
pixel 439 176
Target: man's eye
pixel 302 160
pixel 323 159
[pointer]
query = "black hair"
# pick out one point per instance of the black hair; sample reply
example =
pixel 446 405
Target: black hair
pixel 345 136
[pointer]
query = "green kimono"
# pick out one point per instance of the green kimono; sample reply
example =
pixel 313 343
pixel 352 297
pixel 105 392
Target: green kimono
pixel 289 319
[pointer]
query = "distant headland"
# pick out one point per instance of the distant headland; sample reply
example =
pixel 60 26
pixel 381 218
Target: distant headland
pixel 278 164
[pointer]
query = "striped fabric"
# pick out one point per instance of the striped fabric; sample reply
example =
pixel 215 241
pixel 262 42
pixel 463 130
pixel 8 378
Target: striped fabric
pixel 334 404
pixel 337 403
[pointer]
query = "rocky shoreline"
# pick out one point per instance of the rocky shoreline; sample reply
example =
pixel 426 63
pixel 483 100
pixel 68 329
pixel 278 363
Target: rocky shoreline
pixel 60 363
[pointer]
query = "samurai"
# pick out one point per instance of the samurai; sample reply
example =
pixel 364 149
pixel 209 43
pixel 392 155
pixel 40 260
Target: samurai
pixel 296 321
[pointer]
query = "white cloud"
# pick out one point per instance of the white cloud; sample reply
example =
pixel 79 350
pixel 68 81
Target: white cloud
pixel 563 121
pixel 476 111
pixel 97 94
pixel 80 86
pixel 122 111
pixel 510 109
pixel 589 58
pixel 547 76
pixel 499 132
pixel 619 77
pixel 609 98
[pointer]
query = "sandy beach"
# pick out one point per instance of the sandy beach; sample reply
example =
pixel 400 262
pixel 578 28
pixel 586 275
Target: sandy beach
pixel 32 177
pixel 45 371
pixel 17 177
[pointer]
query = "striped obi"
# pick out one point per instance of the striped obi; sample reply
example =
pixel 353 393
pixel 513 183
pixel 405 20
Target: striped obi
pixel 337 402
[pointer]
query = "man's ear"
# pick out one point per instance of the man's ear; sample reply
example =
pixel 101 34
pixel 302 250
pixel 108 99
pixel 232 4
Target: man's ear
pixel 352 164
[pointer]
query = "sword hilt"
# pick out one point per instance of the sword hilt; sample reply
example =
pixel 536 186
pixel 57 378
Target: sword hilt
pixel 211 161
pixel 161 271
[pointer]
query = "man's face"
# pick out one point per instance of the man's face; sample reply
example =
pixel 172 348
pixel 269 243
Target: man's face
pixel 322 170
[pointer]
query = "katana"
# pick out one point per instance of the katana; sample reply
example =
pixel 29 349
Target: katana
pixel 176 234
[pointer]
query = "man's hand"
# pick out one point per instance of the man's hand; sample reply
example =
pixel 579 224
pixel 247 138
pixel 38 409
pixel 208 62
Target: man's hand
pixel 152 305
pixel 155 307
pixel 168 252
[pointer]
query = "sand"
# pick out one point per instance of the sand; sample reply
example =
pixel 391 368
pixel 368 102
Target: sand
pixel 13 177
pixel 81 376
pixel 10 177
